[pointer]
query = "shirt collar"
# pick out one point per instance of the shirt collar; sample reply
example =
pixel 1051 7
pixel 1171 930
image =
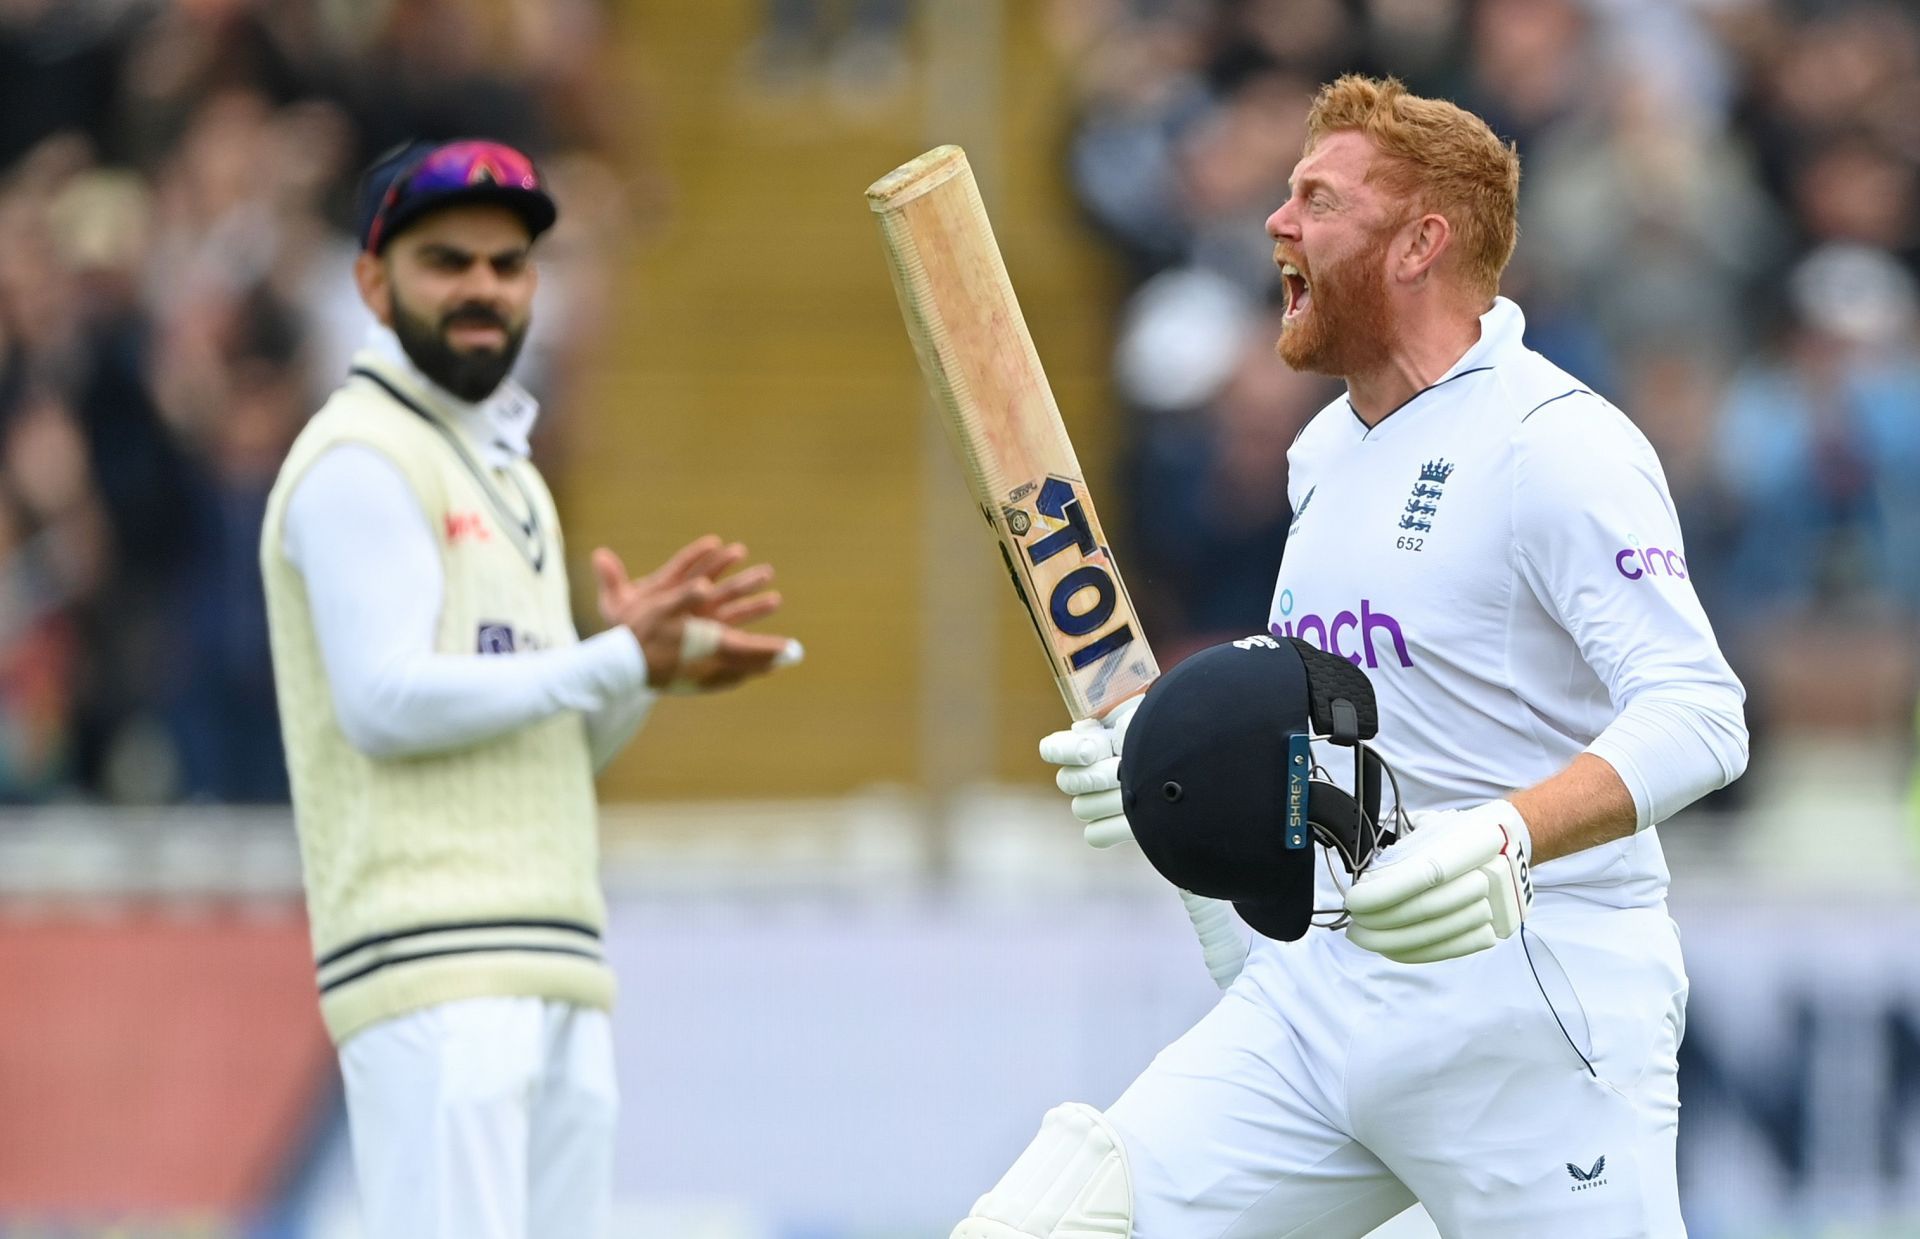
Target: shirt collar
pixel 497 428
pixel 1502 328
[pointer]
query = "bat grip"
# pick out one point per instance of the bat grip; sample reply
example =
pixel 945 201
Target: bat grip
pixel 1222 942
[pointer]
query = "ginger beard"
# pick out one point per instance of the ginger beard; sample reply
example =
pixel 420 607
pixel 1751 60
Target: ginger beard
pixel 1338 321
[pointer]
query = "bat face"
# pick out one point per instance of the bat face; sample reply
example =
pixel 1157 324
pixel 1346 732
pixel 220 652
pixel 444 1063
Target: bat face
pixel 1064 574
pixel 988 386
pixel 989 389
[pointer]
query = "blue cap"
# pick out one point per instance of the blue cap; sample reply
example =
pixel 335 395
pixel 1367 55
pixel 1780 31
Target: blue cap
pixel 416 178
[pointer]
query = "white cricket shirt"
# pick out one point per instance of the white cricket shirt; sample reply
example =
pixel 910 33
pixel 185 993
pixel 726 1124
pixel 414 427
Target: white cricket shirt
pixel 1502 557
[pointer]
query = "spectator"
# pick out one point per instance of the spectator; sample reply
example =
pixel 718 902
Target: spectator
pixel 1820 446
pixel 857 48
pixel 173 179
pixel 1678 159
pixel 1208 476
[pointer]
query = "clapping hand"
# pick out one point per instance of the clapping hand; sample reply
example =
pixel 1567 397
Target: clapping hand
pixel 687 615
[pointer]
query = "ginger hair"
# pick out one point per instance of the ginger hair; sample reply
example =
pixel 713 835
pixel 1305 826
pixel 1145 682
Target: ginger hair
pixel 1440 158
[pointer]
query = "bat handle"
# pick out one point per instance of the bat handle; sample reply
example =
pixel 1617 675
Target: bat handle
pixel 1222 942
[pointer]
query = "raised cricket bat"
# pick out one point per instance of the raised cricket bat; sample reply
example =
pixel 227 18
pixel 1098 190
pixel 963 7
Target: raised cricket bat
pixel 981 367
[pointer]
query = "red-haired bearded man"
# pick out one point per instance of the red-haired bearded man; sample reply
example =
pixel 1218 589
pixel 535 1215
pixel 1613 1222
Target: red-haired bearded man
pixel 1494 545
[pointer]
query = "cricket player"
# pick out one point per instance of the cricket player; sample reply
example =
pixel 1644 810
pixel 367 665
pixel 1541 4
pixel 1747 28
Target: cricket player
pixel 1495 547
pixel 444 721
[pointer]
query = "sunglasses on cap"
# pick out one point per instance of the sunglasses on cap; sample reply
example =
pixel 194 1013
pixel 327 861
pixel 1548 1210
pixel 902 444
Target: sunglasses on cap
pixel 472 170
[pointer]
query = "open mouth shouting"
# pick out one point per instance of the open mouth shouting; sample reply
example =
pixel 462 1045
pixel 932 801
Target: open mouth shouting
pixel 1299 291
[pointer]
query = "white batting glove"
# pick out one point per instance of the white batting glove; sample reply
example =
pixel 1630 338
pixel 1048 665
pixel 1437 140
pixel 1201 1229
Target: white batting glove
pixel 1456 884
pixel 1089 761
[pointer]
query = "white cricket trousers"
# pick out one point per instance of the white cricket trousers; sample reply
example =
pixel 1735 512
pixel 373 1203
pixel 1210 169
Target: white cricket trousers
pixel 488 1118
pixel 1525 1092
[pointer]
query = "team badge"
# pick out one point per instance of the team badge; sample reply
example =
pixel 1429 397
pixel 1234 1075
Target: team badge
pixel 495 639
pixel 1416 519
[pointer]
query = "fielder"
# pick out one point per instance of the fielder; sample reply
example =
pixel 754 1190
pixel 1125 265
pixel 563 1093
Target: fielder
pixel 444 721
pixel 1495 547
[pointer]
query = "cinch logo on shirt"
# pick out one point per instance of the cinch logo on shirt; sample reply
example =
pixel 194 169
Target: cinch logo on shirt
pixel 1636 561
pixel 1331 635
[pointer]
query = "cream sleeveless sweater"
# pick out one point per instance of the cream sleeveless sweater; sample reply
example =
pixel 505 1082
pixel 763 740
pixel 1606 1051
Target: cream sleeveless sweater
pixel 458 874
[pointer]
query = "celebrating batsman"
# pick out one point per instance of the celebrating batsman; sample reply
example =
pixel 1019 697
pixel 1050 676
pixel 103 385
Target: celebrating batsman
pixel 444 721
pixel 1491 1028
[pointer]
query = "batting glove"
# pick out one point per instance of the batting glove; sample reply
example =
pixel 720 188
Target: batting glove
pixel 1089 761
pixel 1457 883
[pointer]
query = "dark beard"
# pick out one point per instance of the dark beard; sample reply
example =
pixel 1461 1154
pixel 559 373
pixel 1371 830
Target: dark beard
pixel 470 376
pixel 1348 329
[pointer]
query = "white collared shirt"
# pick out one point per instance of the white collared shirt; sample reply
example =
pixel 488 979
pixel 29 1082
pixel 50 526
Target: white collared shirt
pixel 499 428
pixel 1501 556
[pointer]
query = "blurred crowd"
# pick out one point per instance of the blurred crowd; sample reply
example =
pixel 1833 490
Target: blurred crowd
pixel 176 189
pixel 1720 230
